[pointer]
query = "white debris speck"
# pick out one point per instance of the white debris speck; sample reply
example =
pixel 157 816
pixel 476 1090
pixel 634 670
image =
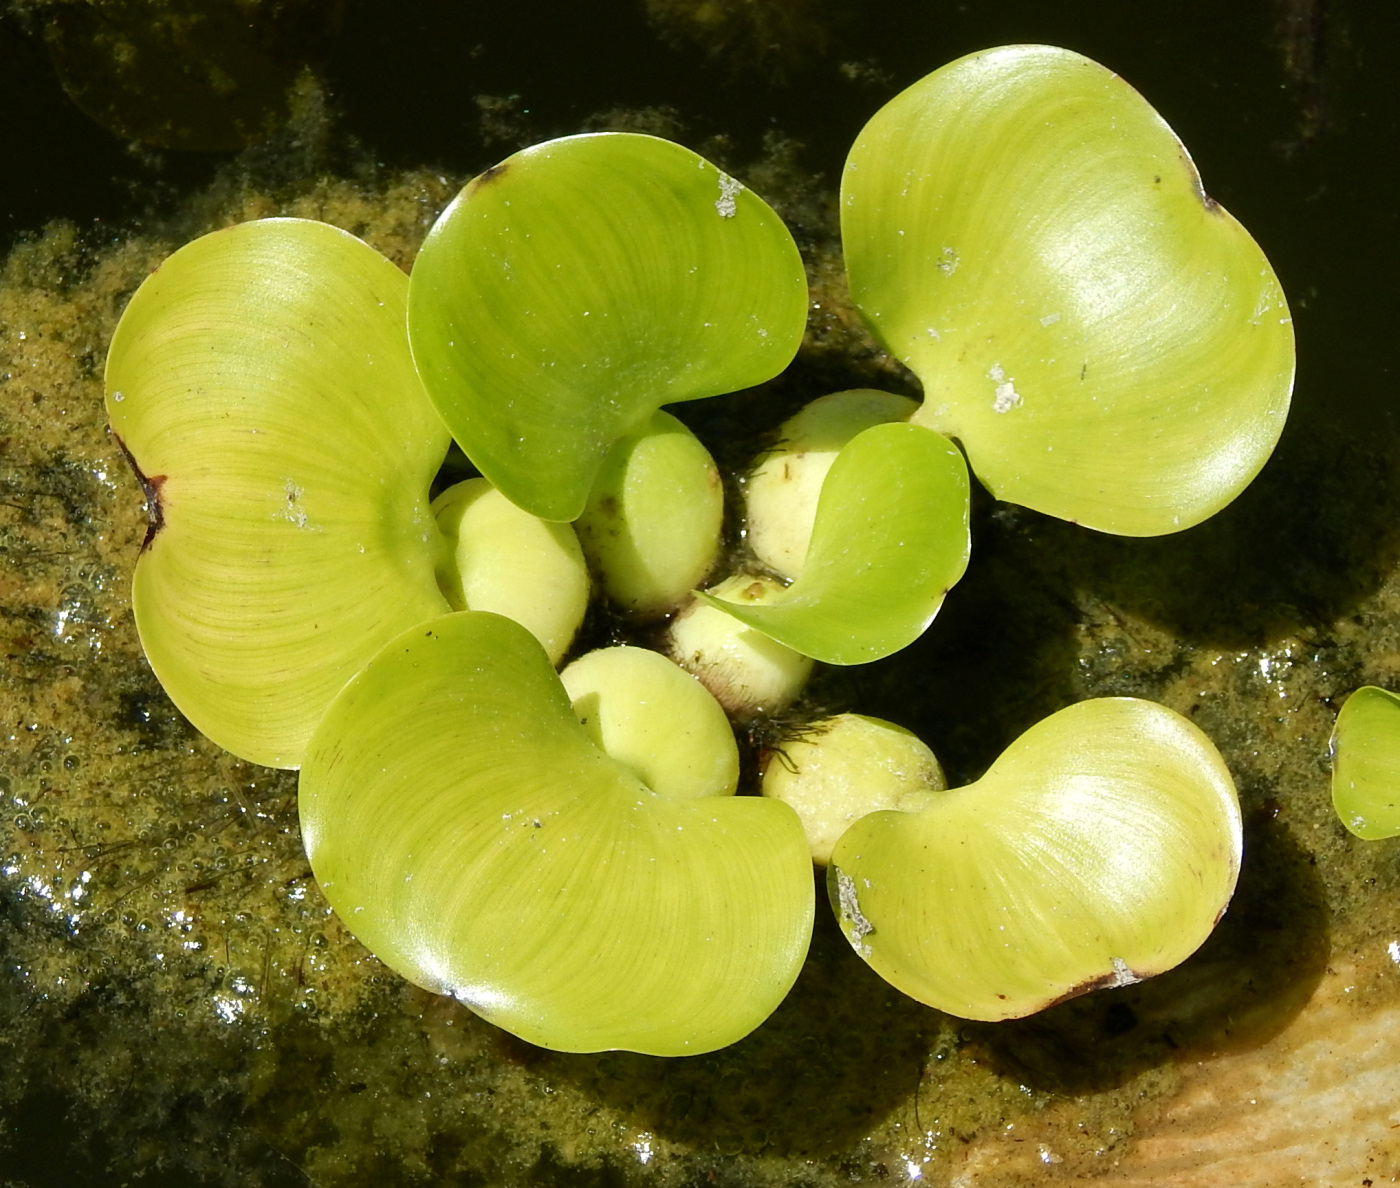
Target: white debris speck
pixel 728 201
pixel 1049 319
pixel 1122 975
pixel 857 927
pixel 1394 950
pixel 1005 398
pixel 933 334
pixel 949 263
pixel 294 512
pixel 118 397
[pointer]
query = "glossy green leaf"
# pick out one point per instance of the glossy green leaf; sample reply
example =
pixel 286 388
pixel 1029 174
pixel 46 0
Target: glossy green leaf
pixel 1366 763
pixel 1024 231
pixel 782 488
pixel 579 285
pixel 468 831
pixel 1099 849
pixel 262 382
pixel 890 538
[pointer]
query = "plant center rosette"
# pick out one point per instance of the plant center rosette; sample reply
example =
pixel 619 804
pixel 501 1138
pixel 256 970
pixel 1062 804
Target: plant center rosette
pixel 566 853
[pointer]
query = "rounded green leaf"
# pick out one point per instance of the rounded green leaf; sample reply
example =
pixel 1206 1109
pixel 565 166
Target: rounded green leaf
pixel 656 718
pixel 652 524
pixel 781 491
pixel 262 384
pixel 570 291
pixel 889 540
pixel 468 831
pixel 1025 232
pixel 1099 849
pixel 1366 763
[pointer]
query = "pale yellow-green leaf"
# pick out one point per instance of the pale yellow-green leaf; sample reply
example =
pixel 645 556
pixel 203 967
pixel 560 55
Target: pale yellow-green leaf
pixel 1099 849
pixel 261 380
pixel 1025 232
pixel 571 290
pixel 1366 763
pixel 468 831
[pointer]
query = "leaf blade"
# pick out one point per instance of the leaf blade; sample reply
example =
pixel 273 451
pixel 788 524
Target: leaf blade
pixel 622 919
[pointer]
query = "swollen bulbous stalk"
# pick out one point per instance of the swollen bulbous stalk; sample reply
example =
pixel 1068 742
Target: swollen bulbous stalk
pixel 840 769
pixel 652 524
pixel 505 560
pixel 748 672
pixel 643 711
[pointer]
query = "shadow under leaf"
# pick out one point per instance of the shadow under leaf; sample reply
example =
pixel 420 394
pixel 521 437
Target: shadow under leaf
pixel 1242 987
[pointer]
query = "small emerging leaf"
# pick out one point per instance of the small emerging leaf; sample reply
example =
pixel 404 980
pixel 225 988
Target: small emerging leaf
pixel 782 489
pixel 1366 763
pixel 890 538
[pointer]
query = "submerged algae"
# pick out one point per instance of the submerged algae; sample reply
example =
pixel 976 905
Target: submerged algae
pixel 171 977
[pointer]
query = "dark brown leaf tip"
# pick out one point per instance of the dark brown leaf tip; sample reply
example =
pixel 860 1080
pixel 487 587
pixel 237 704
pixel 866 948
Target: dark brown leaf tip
pixel 150 488
pixel 488 176
pixel 1118 976
pixel 1207 201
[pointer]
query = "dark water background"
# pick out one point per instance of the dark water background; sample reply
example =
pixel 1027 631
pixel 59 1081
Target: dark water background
pixel 1289 107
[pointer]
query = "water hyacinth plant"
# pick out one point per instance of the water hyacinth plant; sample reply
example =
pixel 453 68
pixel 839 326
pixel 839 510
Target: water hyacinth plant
pixel 565 852
pixel 294 597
